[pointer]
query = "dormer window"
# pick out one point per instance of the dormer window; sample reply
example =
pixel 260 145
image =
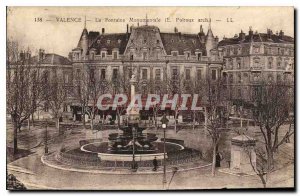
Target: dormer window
pixel 172 40
pixel 98 41
pixel 108 41
pixel 103 54
pixel 194 41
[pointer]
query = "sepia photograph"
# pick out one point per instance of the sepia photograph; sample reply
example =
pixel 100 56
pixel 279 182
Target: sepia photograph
pixel 150 98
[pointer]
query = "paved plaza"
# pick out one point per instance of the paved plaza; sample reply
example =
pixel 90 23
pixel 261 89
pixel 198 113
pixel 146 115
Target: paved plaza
pixel 34 174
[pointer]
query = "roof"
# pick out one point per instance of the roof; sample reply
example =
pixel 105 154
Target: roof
pixel 257 37
pixel 53 59
pixel 116 40
pixel 181 42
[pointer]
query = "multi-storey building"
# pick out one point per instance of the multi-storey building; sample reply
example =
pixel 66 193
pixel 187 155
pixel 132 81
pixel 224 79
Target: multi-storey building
pixel 254 58
pixel 151 55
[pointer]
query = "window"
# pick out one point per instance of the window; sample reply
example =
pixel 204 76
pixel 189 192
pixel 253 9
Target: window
pixel 239 78
pixel 92 75
pixel 65 108
pixel 102 76
pixel 66 78
pixel 187 74
pixel 115 73
pixel 144 74
pixel 278 64
pixel 129 73
pixel 187 55
pixel 115 54
pixel 103 54
pixel 230 78
pixel 119 41
pixel 174 74
pixel 199 74
pixel 131 56
pixel 98 41
pixel 239 93
pixel 145 41
pixel 78 73
pixel 144 55
pixel 157 41
pixel 278 77
pixel 108 41
pixel 157 74
pixel 213 74
pixel 199 56
pixel 238 65
pixel 270 64
pixel 92 56
pixel 235 51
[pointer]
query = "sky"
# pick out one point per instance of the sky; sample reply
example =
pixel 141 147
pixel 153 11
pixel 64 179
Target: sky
pixel 62 37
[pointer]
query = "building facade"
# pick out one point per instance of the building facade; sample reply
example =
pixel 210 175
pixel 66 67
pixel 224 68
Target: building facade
pixel 152 56
pixel 253 58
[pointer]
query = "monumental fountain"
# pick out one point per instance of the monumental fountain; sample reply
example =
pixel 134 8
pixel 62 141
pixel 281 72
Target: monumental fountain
pixel 132 145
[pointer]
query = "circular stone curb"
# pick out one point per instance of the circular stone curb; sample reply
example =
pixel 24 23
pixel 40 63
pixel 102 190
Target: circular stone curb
pixel 114 171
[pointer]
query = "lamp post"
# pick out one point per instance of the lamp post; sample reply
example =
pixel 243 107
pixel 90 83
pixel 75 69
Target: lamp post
pixel 164 122
pixel 134 166
pixel 46 138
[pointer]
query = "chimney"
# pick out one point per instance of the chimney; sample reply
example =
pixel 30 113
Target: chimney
pixel 127 28
pixel 217 39
pixel 22 57
pixel 269 33
pixel 242 35
pixel 250 31
pixel 175 30
pixel 40 55
pixel 281 34
pixel 103 30
pixel 201 29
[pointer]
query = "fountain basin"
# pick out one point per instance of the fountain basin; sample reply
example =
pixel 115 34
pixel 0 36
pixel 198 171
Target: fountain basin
pixel 101 149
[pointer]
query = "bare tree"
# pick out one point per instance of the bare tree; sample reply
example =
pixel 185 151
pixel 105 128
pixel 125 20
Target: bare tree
pixel 272 104
pixel 120 84
pixel 56 98
pixel 22 89
pixel 98 86
pixel 175 85
pixel 82 90
pixel 215 113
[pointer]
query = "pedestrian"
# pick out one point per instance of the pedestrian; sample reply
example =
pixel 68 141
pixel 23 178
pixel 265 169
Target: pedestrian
pixel 154 164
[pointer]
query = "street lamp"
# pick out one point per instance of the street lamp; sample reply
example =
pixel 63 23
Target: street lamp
pixel 46 138
pixel 164 122
pixel 134 165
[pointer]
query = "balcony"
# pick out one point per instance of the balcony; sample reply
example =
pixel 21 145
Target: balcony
pixel 256 69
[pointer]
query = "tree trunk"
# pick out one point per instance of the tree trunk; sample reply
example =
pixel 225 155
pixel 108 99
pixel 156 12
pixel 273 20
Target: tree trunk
pixel 213 166
pixel 175 125
pixel 28 123
pixel 194 119
pixel 32 120
pixel 15 126
pixel 57 124
pixel 92 124
pixel 205 120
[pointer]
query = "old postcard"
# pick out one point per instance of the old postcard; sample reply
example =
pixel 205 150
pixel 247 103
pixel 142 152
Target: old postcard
pixel 150 98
